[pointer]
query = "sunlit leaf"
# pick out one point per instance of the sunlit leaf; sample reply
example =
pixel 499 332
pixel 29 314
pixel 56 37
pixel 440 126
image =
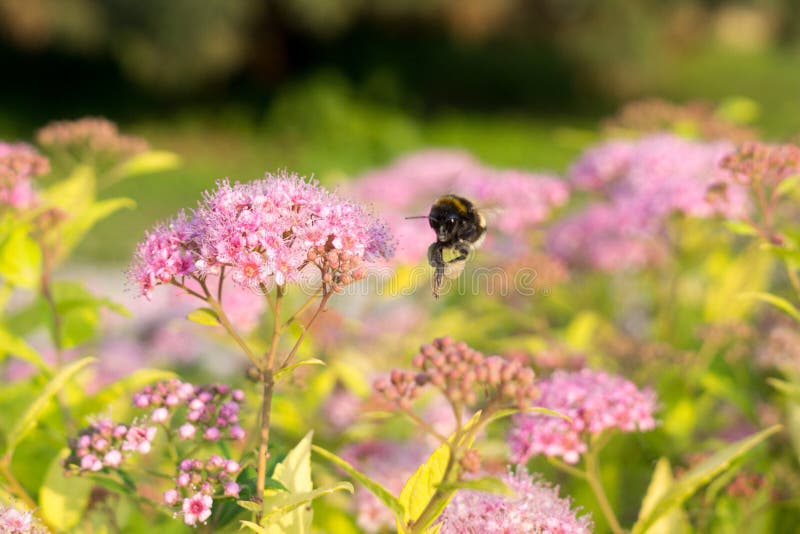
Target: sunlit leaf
pixel 16 346
pixel 662 481
pixel 779 302
pixel 148 163
pixel 63 499
pixel 287 371
pixel 21 259
pixel 284 503
pixel 423 484
pixel 205 316
pixel 294 472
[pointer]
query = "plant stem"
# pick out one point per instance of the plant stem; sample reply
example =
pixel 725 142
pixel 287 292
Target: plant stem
pixel 593 478
pixel 14 485
pixel 565 467
pixel 226 323
pixel 268 380
pixel 325 296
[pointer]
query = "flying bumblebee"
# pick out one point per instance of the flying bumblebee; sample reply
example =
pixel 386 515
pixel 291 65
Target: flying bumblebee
pixel 460 228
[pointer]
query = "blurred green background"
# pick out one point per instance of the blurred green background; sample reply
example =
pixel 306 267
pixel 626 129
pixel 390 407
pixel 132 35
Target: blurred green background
pixel 335 87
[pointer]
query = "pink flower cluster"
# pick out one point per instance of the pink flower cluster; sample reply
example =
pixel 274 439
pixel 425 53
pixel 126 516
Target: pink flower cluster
pixel 264 232
pixel 411 184
pixel 535 509
pixel 107 444
pixel 460 373
pixel 594 400
pixel 12 521
pixel 643 183
pixel 198 482
pixel 391 464
pixel 211 410
pixel 18 164
pixel 760 162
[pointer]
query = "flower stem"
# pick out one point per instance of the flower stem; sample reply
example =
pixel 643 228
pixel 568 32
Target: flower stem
pixel 14 485
pixel 268 381
pixel 593 478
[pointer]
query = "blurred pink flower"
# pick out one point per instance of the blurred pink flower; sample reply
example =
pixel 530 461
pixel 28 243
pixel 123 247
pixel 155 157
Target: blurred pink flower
pixel 411 184
pixel 18 164
pixel 594 400
pixel 13 521
pixel 644 182
pixel 197 508
pixel 535 509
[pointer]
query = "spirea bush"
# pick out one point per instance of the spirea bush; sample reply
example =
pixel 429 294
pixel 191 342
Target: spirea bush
pixel 619 357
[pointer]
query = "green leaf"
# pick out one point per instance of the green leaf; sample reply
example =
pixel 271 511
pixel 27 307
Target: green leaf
pixel 673 521
pixel 250 506
pixel 787 388
pixel 205 316
pixel 699 476
pixel 383 495
pixel 63 499
pixel 254 527
pixel 281 504
pixel 780 303
pixel 287 371
pixel 485 484
pixel 741 228
pixel 74 194
pixel 16 346
pixel 148 163
pixel 788 185
pixel 294 472
pixel 420 488
pixel 31 416
pixel 21 259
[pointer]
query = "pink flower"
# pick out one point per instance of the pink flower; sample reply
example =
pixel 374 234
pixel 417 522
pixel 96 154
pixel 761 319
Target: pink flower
pixel 535 508
pixel 183 479
pixel 232 489
pixel 13 521
pixel 171 496
pixel 211 434
pixel 113 458
pixel 186 431
pixel 90 462
pixel 159 415
pixel 594 400
pixel 163 255
pixel 197 508
pixel 237 433
pixel 263 233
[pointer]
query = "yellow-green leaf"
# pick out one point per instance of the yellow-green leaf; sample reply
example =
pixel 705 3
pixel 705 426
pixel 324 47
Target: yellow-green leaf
pixel 62 499
pixel 21 259
pixel 673 521
pixel 16 346
pixel 205 316
pixel 287 371
pixel 780 303
pixel 284 503
pixel 149 162
pixel 420 488
pixel 294 472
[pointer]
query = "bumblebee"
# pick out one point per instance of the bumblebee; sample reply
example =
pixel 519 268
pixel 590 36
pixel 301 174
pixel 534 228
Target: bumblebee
pixel 460 228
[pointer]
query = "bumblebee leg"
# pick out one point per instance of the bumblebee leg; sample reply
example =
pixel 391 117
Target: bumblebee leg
pixel 463 248
pixel 436 260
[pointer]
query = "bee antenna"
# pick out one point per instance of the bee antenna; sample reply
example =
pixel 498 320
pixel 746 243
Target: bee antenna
pixel 417 217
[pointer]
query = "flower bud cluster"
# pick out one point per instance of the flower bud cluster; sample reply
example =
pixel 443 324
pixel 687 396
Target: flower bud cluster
pixel 460 372
pixel 338 268
pixel 107 444
pixel 198 482
pixel 90 133
pixel 212 411
pixel 761 162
